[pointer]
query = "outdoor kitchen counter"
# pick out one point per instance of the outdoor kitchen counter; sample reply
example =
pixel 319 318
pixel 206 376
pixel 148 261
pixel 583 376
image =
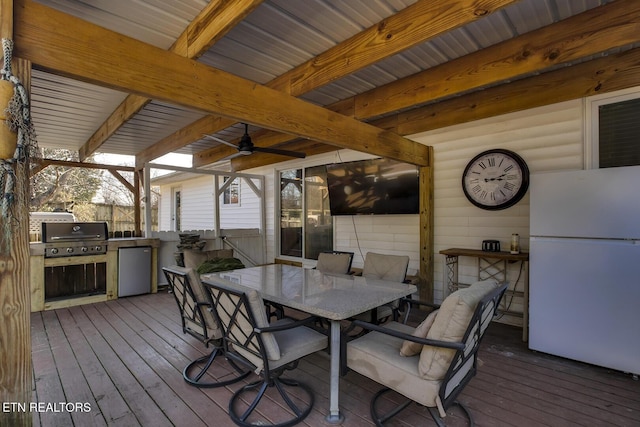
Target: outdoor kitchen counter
pixel 39 262
pixel 127 242
pixel 37 248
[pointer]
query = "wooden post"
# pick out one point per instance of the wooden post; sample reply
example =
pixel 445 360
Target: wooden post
pixel 425 289
pixel 15 303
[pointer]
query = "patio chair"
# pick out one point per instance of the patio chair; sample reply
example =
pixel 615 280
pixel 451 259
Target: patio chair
pixel 199 322
pixel 269 350
pixel 385 267
pixel 432 364
pixel 335 262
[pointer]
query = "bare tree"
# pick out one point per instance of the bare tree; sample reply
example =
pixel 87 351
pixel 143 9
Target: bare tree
pixel 62 185
pixel 114 192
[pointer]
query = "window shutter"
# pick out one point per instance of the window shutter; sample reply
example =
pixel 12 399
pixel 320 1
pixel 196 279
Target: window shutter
pixel 619 134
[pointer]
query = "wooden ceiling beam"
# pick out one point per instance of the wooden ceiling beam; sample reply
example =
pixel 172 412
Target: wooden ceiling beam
pixel 65 45
pixel 607 74
pixel 40 164
pixel 610 73
pixel 129 186
pixel 589 33
pixel 211 24
pixel 595 31
pixel 409 27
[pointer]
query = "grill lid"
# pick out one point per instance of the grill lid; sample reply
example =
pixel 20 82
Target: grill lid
pixel 62 232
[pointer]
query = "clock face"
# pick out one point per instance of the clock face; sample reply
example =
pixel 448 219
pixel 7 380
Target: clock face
pixel 495 179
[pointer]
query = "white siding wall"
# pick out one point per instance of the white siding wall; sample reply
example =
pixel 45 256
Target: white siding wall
pixel 164 208
pixel 197 203
pixel 244 215
pixel 386 234
pixel 548 138
pixel 198 209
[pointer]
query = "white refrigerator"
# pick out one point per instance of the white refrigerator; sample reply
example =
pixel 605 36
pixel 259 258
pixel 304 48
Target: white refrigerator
pixel 584 297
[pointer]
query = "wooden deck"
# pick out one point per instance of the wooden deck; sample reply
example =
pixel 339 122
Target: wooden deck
pixel 120 363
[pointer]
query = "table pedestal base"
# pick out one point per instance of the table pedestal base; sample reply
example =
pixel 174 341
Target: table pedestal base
pixel 334 416
pixel 334 419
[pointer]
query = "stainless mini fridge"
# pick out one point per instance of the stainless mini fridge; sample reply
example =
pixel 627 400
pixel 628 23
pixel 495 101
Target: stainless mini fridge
pixel 134 271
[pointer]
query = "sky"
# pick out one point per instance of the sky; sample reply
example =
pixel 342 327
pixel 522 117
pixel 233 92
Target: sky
pixel 174 159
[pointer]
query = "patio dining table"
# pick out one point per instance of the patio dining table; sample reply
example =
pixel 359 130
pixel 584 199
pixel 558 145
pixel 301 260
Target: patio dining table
pixel 333 297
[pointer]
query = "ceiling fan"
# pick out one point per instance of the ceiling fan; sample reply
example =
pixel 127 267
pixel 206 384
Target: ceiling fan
pixel 246 147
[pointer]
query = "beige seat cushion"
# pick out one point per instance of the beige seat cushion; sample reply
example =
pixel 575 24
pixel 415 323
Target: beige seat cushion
pixel 213 328
pixel 385 267
pixel 334 263
pixel 375 355
pixel 282 347
pixel 260 316
pixel 194 258
pixel 410 348
pixel 297 342
pixel 450 324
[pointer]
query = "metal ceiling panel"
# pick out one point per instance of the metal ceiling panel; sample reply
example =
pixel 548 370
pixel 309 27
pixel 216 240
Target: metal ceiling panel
pixel 248 42
pixel 509 22
pixel 157 22
pixel 320 16
pixel 496 28
pixel 156 121
pixel 286 29
pixel 248 60
pixel 67 112
pixel 530 15
pixel 229 64
pixel 275 38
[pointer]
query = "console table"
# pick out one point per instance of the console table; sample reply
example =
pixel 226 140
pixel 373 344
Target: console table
pixel 491 265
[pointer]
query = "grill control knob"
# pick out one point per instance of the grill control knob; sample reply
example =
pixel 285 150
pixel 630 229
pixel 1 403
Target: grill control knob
pixel 69 250
pixel 98 248
pixel 54 251
pixel 85 249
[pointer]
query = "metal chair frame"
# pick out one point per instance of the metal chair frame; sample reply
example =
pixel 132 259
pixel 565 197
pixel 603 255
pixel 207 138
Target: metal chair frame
pixel 466 350
pixel 193 310
pixel 241 332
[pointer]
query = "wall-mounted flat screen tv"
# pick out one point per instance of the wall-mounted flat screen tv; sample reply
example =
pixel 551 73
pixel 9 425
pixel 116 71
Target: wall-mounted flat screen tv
pixel 372 187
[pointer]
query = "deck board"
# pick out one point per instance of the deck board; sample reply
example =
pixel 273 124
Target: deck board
pixel 125 358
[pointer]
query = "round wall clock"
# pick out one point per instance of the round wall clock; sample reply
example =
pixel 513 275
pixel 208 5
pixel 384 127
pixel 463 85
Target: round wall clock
pixel 495 179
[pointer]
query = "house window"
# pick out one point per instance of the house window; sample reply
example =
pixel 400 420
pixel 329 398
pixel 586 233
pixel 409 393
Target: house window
pixel 231 195
pixel 306 225
pixel 615 130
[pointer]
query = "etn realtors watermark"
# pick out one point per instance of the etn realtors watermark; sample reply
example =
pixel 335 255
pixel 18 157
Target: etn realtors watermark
pixel 54 407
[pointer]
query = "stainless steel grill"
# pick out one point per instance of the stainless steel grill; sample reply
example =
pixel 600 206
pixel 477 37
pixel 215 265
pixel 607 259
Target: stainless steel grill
pixel 70 269
pixel 64 239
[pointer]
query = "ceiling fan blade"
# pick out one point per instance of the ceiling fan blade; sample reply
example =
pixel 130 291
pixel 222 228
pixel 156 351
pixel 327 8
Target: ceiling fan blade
pixel 231 156
pixel 281 152
pixel 221 141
